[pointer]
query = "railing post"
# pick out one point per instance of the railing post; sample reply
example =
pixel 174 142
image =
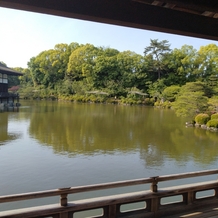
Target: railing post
pixel 154 201
pixel 63 197
pixel 63 202
pixel 112 211
pixel 216 192
pixel 154 187
pixel 189 197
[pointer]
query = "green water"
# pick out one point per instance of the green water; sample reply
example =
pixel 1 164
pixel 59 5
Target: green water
pixel 49 145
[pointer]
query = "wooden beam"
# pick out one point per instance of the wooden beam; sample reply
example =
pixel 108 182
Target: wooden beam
pixel 124 13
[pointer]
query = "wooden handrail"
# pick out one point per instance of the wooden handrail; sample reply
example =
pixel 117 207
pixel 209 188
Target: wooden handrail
pixel 186 175
pixel 111 205
pixel 95 187
pixel 72 190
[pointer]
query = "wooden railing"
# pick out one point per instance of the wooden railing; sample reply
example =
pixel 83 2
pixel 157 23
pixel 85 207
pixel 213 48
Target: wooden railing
pixel 110 206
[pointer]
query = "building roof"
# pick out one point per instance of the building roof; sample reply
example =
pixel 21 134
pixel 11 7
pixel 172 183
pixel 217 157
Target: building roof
pixel 197 18
pixel 8 71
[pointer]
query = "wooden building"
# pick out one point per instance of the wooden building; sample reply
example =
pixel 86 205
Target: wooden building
pixel 5 96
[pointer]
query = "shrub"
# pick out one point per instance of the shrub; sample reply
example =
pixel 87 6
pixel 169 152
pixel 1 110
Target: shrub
pixel 166 104
pixel 213 123
pixel 171 92
pixel 157 104
pixel 149 101
pixel 214 116
pixel 202 118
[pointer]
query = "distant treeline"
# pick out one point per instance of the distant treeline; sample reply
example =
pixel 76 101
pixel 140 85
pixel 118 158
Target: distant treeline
pixel 183 78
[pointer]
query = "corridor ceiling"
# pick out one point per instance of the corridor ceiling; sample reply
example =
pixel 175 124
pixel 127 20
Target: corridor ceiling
pixel 197 18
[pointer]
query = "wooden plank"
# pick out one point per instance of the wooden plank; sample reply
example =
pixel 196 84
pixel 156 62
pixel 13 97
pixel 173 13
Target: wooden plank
pixel 186 175
pixel 56 192
pixel 205 212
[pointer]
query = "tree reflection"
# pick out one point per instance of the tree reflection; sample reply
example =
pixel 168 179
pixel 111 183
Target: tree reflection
pixel 90 129
pixel 5 134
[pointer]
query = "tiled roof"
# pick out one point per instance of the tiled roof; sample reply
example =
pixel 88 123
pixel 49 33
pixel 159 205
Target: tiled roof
pixel 8 71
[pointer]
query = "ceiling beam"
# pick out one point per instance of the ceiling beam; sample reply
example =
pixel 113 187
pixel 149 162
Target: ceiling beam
pixel 125 13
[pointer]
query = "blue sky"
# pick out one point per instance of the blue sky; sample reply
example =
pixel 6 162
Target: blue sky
pixel 25 34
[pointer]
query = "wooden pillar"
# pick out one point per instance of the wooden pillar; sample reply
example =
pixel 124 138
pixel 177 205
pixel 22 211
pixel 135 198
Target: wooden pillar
pixel 154 187
pixel 63 197
pixel 111 211
pixel 63 200
pixel 216 192
pixel 189 197
pixel 63 215
pixel 155 202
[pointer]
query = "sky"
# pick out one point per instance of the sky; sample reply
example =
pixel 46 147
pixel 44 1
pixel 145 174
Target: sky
pixel 24 35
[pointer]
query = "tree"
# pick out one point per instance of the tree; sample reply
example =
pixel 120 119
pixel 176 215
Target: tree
pixel 155 89
pixel 182 65
pixel 191 99
pixel 81 62
pixel 208 62
pixel 106 69
pixel 158 50
pixel 190 104
pixel 171 92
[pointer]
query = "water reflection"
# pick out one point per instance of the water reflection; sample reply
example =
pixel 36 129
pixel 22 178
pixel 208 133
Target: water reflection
pixel 6 134
pixel 90 129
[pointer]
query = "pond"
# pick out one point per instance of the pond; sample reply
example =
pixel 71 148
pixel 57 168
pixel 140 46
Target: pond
pixel 49 145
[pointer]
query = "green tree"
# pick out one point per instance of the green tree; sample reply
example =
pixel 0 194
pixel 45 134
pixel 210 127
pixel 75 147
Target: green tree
pixel 171 92
pixel 106 69
pixel 81 62
pixel 182 65
pixel 155 89
pixel 213 103
pixel 158 50
pixel 190 104
pixel 191 100
pixel 208 59
pixel 132 68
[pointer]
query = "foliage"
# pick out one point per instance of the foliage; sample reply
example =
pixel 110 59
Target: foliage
pixel 156 88
pixel 184 78
pixel 214 116
pixel 190 103
pixel 170 93
pixel 202 118
pixel 182 65
pixel 208 58
pixel 158 50
pixel 212 123
pixel 213 104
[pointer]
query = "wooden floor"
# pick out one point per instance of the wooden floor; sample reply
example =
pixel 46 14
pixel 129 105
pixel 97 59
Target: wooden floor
pixel 207 212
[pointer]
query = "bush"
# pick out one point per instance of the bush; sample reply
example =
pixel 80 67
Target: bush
pixel 149 101
pixel 166 104
pixel 214 116
pixel 202 118
pixel 213 123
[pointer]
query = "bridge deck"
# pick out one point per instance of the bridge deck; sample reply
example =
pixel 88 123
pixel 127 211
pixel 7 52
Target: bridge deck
pixel 204 212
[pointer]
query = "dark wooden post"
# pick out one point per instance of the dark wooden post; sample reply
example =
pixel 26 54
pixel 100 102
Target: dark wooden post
pixel 189 197
pixel 112 211
pixel 154 187
pixel 154 206
pixel 63 198
pixel 63 202
pixel 216 192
